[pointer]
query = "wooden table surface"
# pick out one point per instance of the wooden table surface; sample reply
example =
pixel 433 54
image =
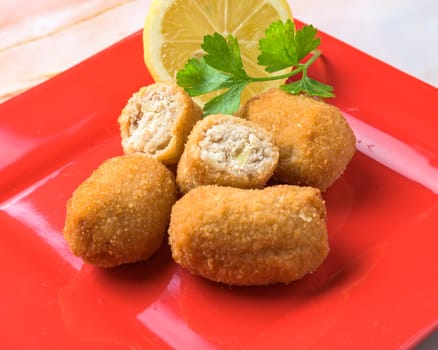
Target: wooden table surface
pixel 39 39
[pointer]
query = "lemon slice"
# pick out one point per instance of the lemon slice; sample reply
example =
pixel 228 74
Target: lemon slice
pixel 174 31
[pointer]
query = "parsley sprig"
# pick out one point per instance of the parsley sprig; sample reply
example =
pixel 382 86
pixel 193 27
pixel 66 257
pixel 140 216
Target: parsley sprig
pixel 221 67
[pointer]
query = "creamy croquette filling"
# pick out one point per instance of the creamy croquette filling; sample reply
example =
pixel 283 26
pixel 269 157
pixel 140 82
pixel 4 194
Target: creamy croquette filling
pixel 150 128
pixel 236 149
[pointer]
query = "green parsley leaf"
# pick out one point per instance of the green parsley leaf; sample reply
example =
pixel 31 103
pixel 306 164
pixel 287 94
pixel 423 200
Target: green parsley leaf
pixel 309 86
pixel 198 78
pixel 226 103
pixel 224 54
pixel 284 47
pixel 305 41
pixel 277 51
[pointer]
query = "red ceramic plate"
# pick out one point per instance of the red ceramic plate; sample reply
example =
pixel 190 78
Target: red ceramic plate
pixel 377 289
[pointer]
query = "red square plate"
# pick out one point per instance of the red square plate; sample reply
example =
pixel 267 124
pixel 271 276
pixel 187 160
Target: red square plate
pixel 378 289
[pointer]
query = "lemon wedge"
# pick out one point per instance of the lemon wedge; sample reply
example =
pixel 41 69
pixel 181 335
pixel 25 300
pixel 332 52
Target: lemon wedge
pixel 174 31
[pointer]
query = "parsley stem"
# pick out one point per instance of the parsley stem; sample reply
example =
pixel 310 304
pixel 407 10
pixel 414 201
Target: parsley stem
pixel 301 68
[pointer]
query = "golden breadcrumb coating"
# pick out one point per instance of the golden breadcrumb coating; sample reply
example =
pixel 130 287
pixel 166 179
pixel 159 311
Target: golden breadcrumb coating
pixel 157 120
pixel 315 141
pixel 249 237
pixel 121 212
pixel 228 151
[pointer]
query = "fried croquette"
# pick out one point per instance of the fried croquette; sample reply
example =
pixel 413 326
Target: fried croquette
pixel 228 151
pixel 315 141
pixel 120 214
pixel 157 120
pixel 249 237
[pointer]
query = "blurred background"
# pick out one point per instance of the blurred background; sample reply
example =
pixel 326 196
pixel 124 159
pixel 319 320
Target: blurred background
pixel 39 39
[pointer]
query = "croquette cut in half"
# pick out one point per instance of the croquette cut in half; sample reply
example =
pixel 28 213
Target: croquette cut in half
pixel 249 237
pixel 315 141
pixel 157 120
pixel 120 214
pixel 227 151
